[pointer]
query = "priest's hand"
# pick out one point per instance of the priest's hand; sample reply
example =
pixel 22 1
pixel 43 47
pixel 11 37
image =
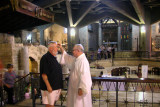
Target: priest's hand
pixel 60 47
pixel 80 92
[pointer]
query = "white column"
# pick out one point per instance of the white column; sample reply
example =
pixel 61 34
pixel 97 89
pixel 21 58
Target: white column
pixel 100 36
pixel 72 37
pixel 119 38
pixel 25 60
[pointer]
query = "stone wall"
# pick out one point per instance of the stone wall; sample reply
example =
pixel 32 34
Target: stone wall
pixel 135 37
pixel 6 54
pixel 126 62
pixel 36 52
pixel 25 34
pixel 6 49
pixel 155 36
pixel 155 29
pixel 11 52
pixel 83 36
pixel 93 37
pixel 89 37
pixel 6 38
pixel 55 33
pixel 16 56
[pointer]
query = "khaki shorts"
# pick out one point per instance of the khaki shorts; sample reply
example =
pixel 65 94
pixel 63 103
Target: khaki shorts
pixel 50 98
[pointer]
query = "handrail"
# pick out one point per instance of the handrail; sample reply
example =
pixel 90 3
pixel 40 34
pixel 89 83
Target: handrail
pixel 116 81
pixel 22 78
pixel 140 80
pixel 126 86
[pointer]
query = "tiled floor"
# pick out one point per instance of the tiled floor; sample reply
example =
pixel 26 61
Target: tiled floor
pixel 28 103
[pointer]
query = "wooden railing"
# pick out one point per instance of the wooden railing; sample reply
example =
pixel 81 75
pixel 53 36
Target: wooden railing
pixel 126 91
pixel 105 91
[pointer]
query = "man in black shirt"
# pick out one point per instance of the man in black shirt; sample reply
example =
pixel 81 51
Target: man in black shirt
pixel 50 76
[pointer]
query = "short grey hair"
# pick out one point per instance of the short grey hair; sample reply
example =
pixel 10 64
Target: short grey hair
pixel 80 47
pixel 51 42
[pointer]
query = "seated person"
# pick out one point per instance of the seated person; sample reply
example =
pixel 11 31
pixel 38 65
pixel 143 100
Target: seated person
pixel 101 74
pixel 28 90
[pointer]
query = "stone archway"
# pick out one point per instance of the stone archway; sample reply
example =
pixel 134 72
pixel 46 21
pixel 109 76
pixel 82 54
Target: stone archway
pixel 36 52
pixel 33 65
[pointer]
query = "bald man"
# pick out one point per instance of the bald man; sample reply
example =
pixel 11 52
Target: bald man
pixel 50 76
pixel 79 90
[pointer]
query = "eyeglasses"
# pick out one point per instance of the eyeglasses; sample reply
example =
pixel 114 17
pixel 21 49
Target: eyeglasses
pixel 74 49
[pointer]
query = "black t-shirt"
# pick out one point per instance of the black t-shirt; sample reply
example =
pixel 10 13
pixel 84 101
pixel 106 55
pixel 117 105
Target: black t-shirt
pixel 50 66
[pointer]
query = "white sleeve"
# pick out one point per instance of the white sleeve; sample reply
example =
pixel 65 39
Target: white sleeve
pixel 67 60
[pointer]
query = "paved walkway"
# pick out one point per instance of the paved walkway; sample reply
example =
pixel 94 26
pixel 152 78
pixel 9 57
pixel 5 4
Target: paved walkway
pixel 27 103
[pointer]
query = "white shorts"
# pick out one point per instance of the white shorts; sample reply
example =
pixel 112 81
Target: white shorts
pixel 50 98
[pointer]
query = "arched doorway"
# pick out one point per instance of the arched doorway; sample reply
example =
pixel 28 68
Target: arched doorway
pixel 33 65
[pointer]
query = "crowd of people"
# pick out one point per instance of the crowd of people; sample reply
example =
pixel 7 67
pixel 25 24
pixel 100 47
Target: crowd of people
pixel 105 52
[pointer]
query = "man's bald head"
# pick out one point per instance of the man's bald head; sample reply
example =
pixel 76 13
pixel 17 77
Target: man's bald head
pixel 79 47
pixel 77 50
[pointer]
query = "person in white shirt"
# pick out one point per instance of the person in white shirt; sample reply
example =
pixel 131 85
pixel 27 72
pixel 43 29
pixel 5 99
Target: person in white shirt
pixel 79 89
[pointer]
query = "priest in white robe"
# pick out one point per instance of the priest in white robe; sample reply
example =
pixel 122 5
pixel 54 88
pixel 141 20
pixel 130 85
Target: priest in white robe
pixel 79 89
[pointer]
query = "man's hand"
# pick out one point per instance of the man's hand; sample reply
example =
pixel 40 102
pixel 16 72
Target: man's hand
pixel 8 86
pixel 49 89
pixel 45 79
pixel 80 92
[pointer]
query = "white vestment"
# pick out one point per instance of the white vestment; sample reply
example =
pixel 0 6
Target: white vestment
pixel 80 77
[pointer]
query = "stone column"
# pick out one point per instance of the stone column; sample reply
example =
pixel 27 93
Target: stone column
pixel 145 37
pixel 11 40
pixel 72 39
pixel 142 39
pixel 42 37
pixel 84 37
pixel 119 38
pixel 25 60
pixel 41 30
pixel 135 38
pixel 100 36
pixel 148 31
pixel 69 40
